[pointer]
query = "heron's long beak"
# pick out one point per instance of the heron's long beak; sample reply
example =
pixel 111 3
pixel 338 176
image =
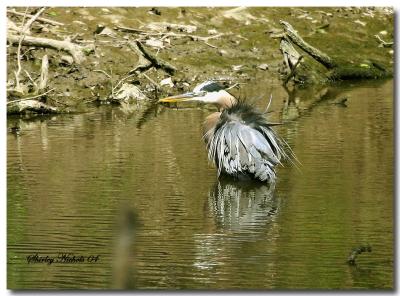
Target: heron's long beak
pixel 179 98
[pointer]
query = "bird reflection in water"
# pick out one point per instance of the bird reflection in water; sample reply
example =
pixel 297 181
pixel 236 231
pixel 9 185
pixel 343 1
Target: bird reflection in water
pixel 244 212
pixel 242 206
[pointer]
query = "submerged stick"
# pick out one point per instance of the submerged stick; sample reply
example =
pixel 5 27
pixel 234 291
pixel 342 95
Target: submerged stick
pixel 351 260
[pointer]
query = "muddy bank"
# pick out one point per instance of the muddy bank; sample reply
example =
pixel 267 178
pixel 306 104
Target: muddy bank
pixel 72 58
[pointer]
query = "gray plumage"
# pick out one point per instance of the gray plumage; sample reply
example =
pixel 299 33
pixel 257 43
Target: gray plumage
pixel 243 144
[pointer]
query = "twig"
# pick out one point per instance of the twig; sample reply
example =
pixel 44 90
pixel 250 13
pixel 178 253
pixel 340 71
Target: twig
pixel 21 38
pixel 33 18
pixel 44 73
pixel 151 80
pixel 122 80
pixel 171 34
pixel 39 19
pixel 383 42
pixel 157 62
pixel 31 98
pixel 104 72
pixel 130 30
pixel 111 81
pixel 236 84
pixel 293 70
pixel 30 78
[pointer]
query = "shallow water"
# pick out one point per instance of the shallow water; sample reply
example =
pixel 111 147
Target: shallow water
pixel 147 201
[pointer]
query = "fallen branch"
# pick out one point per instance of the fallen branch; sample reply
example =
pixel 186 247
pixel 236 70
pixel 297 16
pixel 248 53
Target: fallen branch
pixel 32 20
pixel 148 60
pixel 318 55
pixel 143 64
pixel 157 62
pixel 32 106
pixel 164 35
pixel 76 51
pixel 39 19
pixel 338 69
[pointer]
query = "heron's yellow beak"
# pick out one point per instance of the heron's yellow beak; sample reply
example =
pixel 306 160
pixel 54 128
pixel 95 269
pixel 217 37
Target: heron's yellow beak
pixel 178 98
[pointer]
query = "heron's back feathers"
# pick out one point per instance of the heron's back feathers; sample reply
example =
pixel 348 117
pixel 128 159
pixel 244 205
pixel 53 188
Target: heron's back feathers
pixel 243 143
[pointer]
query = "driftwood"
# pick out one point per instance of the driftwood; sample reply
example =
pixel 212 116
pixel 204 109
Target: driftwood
pixel 30 98
pixel 318 55
pixel 33 106
pixel 76 51
pixel 336 69
pixel 39 19
pixel 148 60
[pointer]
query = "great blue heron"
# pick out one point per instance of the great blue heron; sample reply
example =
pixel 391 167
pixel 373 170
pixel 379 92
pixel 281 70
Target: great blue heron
pixel 240 141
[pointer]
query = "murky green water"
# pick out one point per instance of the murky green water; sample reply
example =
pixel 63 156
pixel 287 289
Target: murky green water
pixel 146 200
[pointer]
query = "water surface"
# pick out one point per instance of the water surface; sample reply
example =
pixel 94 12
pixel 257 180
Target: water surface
pixel 144 198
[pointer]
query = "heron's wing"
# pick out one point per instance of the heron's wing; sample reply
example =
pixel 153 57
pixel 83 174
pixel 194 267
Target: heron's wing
pixel 237 148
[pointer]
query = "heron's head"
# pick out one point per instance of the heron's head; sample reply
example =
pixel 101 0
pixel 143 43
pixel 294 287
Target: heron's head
pixel 209 92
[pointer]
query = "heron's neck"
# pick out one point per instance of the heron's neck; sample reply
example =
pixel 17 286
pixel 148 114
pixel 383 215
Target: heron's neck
pixel 226 100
